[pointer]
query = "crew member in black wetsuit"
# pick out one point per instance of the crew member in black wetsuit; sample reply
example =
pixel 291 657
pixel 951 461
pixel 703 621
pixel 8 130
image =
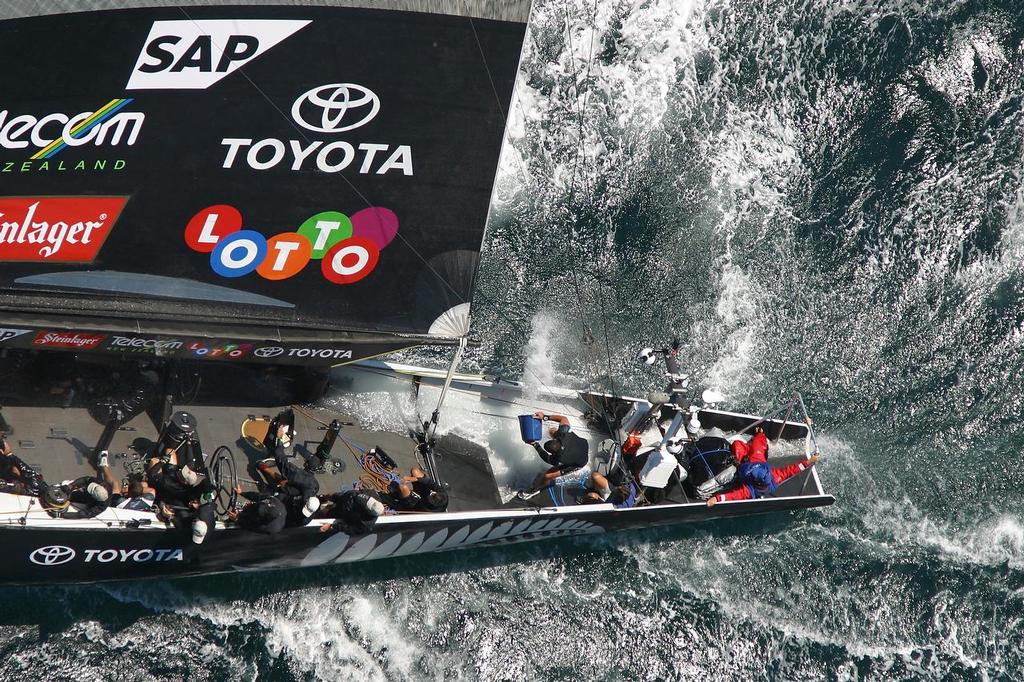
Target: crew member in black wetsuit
pixel 15 476
pixel 262 513
pixel 88 497
pixel 185 496
pixel 417 492
pixel 565 452
pixel 294 487
pixel 355 511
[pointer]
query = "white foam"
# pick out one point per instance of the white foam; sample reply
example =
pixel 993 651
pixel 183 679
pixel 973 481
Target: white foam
pixel 539 371
pixel 737 330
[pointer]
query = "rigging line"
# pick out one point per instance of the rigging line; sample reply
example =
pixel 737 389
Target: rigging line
pixel 604 317
pixel 347 181
pixel 581 104
pixel 497 97
pixel 487 69
pixel 607 343
pixel 572 185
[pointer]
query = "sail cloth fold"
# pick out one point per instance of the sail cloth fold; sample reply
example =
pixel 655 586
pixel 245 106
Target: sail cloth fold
pixel 502 10
pixel 307 173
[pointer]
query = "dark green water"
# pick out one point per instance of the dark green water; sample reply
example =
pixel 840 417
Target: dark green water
pixel 823 196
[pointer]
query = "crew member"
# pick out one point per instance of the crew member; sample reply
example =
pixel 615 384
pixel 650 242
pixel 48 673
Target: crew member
pixel 565 453
pixel 87 496
pixel 295 487
pixel 185 497
pixel 417 492
pixel 136 495
pixel 15 476
pixel 756 477
pixel 262 513
pixel 600 489
pixel 355 511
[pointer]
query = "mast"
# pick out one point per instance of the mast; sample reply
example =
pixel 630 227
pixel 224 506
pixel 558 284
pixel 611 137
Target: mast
pixel 430 427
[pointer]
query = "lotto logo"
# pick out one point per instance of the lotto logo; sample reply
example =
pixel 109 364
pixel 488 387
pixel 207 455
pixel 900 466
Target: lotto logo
pixel 348 248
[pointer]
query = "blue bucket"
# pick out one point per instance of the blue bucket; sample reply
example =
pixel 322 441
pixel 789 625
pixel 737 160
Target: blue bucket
pixel 530 428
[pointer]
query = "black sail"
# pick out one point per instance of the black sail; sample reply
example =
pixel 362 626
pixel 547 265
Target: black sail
pixel 207 176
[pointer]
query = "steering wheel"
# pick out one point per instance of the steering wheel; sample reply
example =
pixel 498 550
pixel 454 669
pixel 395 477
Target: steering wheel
pixel 224 477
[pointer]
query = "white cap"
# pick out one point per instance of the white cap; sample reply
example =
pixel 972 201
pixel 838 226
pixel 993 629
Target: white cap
pixel 189 476
pixel 374 506
pixel 312 504
pixel 199 532
pixel 98 492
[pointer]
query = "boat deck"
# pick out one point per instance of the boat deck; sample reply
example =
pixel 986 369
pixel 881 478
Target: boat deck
pixel 58 442
pixel 53 425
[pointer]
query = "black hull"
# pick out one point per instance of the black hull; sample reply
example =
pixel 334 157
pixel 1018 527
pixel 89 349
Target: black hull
pixel 64 555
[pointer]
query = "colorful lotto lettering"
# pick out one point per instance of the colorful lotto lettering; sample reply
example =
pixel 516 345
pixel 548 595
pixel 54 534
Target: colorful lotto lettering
pixel 348 248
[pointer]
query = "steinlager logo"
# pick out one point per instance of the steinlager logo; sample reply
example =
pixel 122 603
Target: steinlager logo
pixel 48 229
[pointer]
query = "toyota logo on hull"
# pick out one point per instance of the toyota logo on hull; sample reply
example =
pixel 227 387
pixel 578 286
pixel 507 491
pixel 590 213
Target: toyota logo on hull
pixel 331 104
pixel 52 555
pixel 268 352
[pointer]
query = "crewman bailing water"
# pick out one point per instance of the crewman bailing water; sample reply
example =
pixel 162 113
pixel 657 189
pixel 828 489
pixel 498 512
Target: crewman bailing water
pixel 756 477
pixel 565 453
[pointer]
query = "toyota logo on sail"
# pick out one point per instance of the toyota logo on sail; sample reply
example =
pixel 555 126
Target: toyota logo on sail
pixel 52 555
pixel 326 108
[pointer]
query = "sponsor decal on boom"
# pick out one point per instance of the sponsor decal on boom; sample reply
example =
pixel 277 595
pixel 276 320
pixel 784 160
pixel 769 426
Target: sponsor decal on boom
pixel 70 340
pixel 224 351
pixel 348 248
pixel 8 334
pixel 138 344
pixel 56 229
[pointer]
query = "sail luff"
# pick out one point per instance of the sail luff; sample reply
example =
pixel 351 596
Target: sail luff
pixel 500 10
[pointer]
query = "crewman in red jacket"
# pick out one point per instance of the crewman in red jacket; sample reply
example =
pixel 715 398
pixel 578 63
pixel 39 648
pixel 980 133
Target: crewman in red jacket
pixel 757 478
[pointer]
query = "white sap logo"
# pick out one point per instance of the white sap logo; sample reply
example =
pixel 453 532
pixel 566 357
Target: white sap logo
pixel 332 103
pixel 52 555
pixel 194 54
pixel 8 334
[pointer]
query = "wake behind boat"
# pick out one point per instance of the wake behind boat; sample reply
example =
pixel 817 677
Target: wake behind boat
pixel 224 203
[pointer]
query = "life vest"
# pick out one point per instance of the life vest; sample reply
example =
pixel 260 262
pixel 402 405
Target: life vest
pixel 756 451
pixel 632 444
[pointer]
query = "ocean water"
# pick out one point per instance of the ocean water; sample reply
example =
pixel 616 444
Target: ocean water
pixel 823 196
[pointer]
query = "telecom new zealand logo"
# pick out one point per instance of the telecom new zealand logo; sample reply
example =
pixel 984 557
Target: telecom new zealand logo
pixel 52 133
pixel 348 248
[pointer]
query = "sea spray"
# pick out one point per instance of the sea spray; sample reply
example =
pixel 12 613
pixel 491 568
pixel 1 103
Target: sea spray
pixel 539 372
